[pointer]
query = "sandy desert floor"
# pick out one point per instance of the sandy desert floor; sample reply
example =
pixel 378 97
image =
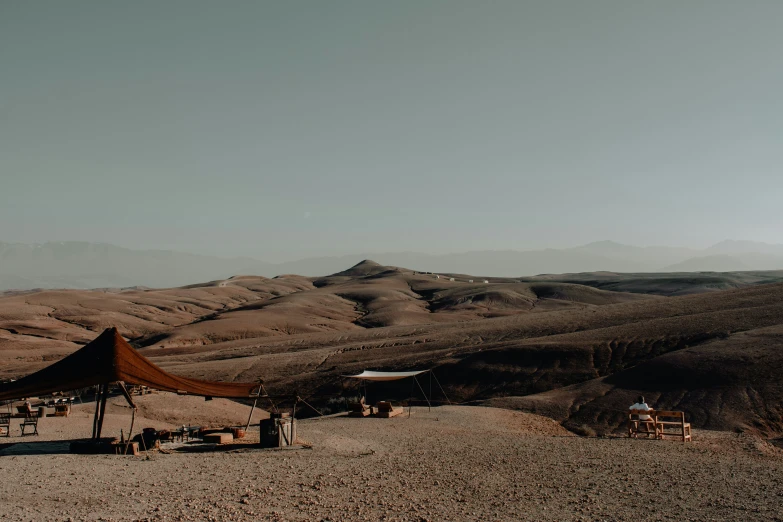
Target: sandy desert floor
pixel 451 463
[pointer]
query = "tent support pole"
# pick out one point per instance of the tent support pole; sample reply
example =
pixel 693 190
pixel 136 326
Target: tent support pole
pixel 103 410
pixel 410 401
pixel 128 398
pixel 250 417
pixel 430 372
pixel 97 410
pixel 441 387
pixel 422 392
pixel 271 402
pixel 342 389
pixel 124 391
pixel 130 431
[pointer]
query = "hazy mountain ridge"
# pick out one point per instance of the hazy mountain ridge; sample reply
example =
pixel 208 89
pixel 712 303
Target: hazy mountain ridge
pixel 99 265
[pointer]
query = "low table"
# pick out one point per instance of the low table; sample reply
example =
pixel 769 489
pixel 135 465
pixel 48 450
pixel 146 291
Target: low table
pixel 186 433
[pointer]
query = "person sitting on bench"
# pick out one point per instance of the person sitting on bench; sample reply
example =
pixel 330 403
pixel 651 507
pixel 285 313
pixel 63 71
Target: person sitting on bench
pixel 643 420
pixel 641 405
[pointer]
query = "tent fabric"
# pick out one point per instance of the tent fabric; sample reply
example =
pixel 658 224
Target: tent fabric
pixel 384 376
pixel 109 358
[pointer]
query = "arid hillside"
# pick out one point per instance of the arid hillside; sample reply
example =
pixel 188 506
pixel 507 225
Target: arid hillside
pixel 575 352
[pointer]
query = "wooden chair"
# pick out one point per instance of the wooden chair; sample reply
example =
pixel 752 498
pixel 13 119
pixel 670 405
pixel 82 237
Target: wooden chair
pixel 674 422
pixel 30 421
pixel 5 424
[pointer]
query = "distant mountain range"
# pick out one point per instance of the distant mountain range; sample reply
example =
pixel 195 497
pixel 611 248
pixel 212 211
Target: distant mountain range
pixel 98 265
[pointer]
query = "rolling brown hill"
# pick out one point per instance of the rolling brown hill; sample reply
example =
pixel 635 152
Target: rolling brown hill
pixel 732 383
pixel 572 351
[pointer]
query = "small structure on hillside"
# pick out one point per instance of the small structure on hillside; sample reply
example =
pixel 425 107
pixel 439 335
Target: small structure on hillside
pixel 486 281
pixel 451 279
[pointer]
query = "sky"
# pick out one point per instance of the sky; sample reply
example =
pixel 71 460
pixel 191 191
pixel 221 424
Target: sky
pixel 283 130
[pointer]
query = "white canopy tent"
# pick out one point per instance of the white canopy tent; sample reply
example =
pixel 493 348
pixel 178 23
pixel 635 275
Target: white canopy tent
pixel 369 376
pixel 385 376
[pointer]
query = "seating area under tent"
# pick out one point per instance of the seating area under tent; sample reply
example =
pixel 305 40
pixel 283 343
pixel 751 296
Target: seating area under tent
pixel 385 408
pixel 110 363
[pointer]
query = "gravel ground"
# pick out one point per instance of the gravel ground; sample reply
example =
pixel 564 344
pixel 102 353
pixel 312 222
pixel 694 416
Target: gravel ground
pixel 453 463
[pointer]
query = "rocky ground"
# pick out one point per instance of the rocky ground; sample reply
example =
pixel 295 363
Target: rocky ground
pixel 453 463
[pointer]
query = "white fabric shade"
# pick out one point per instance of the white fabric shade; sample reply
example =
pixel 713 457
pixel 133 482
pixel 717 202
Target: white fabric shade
pixel 384 376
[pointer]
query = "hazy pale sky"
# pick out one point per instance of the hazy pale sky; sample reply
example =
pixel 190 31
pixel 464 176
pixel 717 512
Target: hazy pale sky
pixel 289 129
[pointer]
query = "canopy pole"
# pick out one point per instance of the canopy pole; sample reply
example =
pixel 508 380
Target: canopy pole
pixel 299 399
pixel 271 402
pixel 130 432
pixel 293 415
pixel 423 393
pixel 250 417
pixel 103 410
pixel 410 401
pixel 441 387
pixel 342 389
pixel 97 410
pixel 128 398
pixel 124 391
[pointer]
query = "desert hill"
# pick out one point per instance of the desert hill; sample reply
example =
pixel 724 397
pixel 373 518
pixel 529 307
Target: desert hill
pixel 569 346
pixel 665 284
pixel 730 383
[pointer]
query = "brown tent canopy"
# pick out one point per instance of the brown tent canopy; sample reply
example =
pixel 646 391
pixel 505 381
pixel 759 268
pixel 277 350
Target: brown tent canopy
pixel 107 359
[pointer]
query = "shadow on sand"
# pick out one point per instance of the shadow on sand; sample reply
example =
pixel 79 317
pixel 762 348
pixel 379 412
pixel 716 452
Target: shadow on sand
pixel 48 447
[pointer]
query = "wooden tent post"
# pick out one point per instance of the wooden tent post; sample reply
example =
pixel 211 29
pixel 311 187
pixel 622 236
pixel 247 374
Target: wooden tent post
pixel 97 410
pixel 250 417
pixel 126 394
pixel 128 398
pixel 130 431
pixel 103 410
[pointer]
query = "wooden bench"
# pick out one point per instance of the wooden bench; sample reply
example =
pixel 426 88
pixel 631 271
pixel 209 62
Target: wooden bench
pixel 5 424
pixel 661 425
pixel 671 425
pixel 385 410
pixel 359 409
